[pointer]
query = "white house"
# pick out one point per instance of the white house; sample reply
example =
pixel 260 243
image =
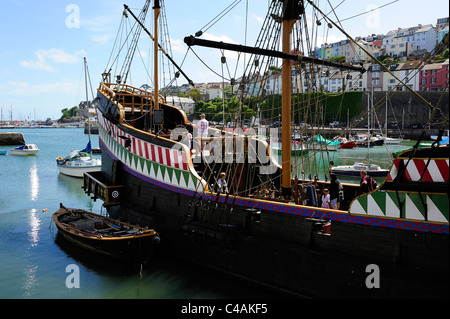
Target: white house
pixel 422 37
pixel 399 48
pixel 185 103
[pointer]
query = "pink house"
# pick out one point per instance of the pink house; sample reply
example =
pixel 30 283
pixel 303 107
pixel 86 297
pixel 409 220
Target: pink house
pixel 434 77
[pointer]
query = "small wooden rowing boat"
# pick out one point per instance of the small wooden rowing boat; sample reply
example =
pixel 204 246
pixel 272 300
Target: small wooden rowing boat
pixel 105 235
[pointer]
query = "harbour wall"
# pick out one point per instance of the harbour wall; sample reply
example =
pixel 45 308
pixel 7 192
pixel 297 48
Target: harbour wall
pixel 11 138
pixel 406 109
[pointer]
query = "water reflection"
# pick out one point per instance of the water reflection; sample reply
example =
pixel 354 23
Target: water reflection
pixel 35 224
pixel 34 183
pixel 31 281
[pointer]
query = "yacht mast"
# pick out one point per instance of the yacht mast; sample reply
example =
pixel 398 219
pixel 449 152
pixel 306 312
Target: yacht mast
pixel 87 102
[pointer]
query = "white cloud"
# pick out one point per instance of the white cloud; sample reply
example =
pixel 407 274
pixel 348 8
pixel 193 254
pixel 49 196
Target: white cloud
pixel 44 57
pixel 20 88
pixel 223 38
pixel 258 18
pixel 100 38
pixel 218 53
pixel 178 45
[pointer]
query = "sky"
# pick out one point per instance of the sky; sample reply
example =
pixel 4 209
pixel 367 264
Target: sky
pixel 43 42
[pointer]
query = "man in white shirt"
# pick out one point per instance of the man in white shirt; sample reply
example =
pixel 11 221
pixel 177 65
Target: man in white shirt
pixel 202 127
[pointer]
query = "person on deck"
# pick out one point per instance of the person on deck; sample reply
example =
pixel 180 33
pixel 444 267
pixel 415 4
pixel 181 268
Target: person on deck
pixel 202 127
pixel 367 183
pixel 335 187
pixel 326 201
pixel 222 184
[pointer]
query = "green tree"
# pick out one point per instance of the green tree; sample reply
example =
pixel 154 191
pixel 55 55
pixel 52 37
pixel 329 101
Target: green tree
pixel 194 94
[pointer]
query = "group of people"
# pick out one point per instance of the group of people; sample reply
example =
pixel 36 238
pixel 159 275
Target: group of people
pixel 330 197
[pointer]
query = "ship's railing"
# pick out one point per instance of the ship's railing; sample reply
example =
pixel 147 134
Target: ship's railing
pixel 93 184
pixel 115 91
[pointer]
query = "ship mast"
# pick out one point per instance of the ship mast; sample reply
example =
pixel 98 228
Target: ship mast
pixel 156 9
pixel 291 10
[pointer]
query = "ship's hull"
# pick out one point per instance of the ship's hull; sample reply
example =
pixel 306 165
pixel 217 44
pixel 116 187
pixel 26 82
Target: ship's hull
pixel 280 248
pixel 379 248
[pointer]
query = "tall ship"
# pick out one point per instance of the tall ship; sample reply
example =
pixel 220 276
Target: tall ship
pixel 267 226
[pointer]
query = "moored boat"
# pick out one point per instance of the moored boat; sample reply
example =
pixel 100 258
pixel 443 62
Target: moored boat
pixel 344 143
pixel 104 235
pixel 80 161
pixel 282 237
pixel 355 170
pixel 24 150
pixel 297 149
pixel 77 163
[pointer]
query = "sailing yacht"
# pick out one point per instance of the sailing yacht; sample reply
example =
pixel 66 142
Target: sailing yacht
pixel 78 162
pixel 269 227
pixel 368 141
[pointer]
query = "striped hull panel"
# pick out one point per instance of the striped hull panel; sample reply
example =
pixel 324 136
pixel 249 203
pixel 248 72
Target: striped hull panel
pixel 161 164
pixel 436 171
pixel 380 208
pixel 408 205
pixel 355 217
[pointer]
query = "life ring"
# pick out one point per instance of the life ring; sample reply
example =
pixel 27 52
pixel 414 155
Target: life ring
pixel 59 158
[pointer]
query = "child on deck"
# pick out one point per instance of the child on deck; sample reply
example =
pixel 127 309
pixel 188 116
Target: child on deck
pixel 326 201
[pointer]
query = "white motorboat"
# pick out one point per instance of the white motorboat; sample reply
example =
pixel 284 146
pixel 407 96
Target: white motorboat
pixel 27 149
pixel 354 170
pixel 390 140
pixel 393 140
pixel 77 163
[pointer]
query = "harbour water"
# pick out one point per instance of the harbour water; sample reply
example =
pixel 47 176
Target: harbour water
pixel 35 264
pixel 33 261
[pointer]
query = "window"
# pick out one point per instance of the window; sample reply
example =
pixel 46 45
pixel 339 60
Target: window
pixel 391 81
pixel 376 68
pixel 375 75
pixel 433 80
pixel 424 81
pixel 375 82
pixel 433 72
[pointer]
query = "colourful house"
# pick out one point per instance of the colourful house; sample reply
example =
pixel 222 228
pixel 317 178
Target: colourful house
pixel 434 77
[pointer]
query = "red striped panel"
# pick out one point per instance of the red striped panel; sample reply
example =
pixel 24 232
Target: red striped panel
pixel 161 159
pixel 153 152
pixel 184 160
pixel 443 169
pixel 176 159
pixel 146 151
pixel 140 148
pixel 420 165
pixel 168 161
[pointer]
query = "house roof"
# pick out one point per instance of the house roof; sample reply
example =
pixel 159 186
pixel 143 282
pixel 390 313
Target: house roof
pixel 432 66
pixel 410 65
